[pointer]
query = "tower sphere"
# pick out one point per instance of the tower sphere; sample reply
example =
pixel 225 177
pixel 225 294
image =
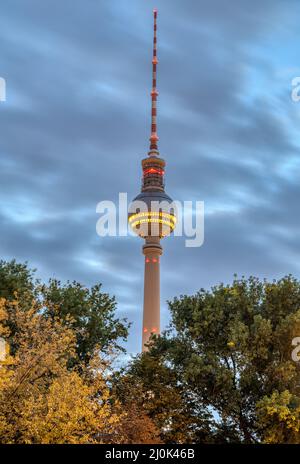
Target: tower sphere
pixel 152 214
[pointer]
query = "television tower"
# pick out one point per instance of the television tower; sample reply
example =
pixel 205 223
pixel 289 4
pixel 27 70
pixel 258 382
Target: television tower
pixel 152 215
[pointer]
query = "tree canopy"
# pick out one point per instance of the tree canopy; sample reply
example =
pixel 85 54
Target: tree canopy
pixel 223 371
pixel 44 400
pixel 91 310
pixel 226 358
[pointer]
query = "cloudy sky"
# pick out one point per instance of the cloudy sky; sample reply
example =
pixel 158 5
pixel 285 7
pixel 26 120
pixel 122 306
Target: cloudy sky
pixel 75 126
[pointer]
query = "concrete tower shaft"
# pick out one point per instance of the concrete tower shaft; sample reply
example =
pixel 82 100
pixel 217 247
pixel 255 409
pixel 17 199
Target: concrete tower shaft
pixel 151 314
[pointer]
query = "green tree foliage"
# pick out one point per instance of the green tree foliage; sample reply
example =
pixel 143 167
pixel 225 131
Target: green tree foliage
pixel 154 387
pixel 91 310
pixel 16 278
pixel 223 372
pixel 42 399
pixel 92 313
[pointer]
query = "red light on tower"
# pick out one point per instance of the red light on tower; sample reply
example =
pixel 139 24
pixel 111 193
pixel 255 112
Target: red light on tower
pixel 160 172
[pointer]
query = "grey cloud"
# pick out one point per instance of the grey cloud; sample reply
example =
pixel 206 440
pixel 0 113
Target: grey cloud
pixel 76 124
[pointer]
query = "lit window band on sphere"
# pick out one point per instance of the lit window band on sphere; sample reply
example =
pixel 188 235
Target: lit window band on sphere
pixel 165 219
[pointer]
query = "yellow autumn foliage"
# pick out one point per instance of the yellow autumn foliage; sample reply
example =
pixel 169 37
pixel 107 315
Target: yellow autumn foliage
pixel 41 399
pixel 280 414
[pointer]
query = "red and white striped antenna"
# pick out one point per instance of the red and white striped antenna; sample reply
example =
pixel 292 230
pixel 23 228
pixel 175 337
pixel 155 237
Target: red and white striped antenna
pixel 154 92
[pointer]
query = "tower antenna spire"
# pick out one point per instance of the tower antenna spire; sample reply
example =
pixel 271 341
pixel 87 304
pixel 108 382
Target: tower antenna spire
pixel 154 92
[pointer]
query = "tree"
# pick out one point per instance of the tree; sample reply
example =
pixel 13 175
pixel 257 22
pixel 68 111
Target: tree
pixel 92 311
pixel 226 352
pixel 136 426
pixel 154 387
pixel 279 418
pixel 16 278
pixel 44 400
pixel 41 399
